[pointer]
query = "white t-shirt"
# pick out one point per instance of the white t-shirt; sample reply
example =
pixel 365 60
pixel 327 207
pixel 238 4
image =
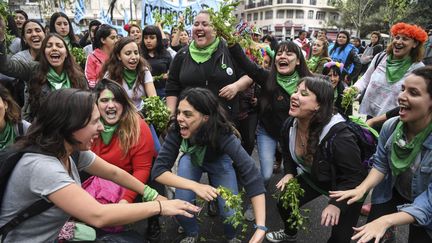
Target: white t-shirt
pixel 36 176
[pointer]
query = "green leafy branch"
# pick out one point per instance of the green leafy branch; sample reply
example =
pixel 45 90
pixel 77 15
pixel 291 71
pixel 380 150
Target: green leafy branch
pixel 233 202
pixel 78 53
pixel 156 112
pixel 187 14
pixel 290 198
pixel 166 19
pixel 4 14
pixel 348 98
pixel 158 77
pixel 224 21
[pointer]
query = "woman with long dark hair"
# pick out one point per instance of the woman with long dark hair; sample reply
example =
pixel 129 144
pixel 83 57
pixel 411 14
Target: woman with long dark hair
pixel 61 24
pixel 207 142
pixel 130 70
pixel 344 52
pixel 305 135
pixel 69 124
pixel 157 56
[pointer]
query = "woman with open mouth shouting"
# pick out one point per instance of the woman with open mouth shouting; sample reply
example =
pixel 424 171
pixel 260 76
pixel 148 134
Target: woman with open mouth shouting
pixel 402 163
pixel 307 133
pixel 278 84
pixel 382 81
pixel 207 142
pixel 130 70
pixel 55 70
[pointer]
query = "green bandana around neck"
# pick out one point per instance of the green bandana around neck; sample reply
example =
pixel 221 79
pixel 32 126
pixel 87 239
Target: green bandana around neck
pixel 201 55
pixel 403 154
pixel 196 152
pixel 396 68
pixel 288 82
pixel 57 81
pixel 130 77
pixel 7 136
pixel 68 42
pixel 108 132
pixel 312 63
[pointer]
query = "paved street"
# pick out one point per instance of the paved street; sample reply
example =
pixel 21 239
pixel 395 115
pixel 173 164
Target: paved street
pixel 211 227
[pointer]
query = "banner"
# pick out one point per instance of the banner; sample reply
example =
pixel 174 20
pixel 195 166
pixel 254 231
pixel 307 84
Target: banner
pixel 148 6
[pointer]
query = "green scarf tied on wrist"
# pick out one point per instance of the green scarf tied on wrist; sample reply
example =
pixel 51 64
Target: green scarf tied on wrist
pixel 397 68
pixel 288 82
pixel 57 81
pixel 312 63
pixel 403 154
pixel 196 152
pixel 7 136
pixel 201 55
pixel 108 133
pixel 130 77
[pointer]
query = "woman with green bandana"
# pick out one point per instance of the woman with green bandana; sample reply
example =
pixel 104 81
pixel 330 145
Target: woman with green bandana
pixel 130 70
pixel 60 24
pixel 278 84
pixel 403 161
pixel 11 125
pixel 56 69
pixel 319 56
pixel 207 63
pixel 382 82
pixel 203 139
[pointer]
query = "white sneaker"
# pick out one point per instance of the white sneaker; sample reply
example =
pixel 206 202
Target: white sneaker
pixel 190 239
pixel 280 236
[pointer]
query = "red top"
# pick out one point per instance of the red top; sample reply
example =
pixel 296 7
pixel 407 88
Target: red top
pixel 138 160
pixel 94 65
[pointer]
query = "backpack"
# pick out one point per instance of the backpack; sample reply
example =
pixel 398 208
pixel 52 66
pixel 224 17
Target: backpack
pixel 367 140
pixel 9 158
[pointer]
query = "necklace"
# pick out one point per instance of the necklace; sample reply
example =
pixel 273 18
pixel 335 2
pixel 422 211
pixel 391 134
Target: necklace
pixel 302 140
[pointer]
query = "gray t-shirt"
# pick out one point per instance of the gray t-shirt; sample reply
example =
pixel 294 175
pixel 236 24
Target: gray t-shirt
pixel 36 176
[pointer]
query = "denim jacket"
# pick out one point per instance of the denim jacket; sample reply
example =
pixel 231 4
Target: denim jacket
pixel 421 209
pixel 421 177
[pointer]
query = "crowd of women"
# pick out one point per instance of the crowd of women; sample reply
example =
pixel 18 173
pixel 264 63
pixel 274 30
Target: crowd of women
pixel 87 125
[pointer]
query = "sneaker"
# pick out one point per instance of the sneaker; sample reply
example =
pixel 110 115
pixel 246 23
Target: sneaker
pixel 190 239
pixel 180 229
pixel 280 236
pixel 249 213
pixel 234 240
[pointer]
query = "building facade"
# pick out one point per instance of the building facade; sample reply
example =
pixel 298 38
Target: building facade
pixel 285 18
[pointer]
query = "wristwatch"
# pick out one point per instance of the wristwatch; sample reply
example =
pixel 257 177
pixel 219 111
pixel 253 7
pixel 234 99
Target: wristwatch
pixel 261 227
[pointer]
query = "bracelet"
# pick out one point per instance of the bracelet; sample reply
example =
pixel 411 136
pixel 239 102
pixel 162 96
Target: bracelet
pixel 261 227
pixel 160 207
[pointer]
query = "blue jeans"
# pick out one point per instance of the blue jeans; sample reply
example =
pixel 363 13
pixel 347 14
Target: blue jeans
pixel 220 172
pixel 266 152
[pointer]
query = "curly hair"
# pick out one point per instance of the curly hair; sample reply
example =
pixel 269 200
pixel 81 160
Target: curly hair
pixel 72 69
pixel 114 67
pixel 13 112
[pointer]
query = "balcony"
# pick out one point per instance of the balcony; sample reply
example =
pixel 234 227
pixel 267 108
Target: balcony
pixel 264 3
pixel 250 5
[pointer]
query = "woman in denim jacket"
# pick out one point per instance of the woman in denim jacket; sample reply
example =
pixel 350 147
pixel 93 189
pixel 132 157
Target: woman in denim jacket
pixel 402 167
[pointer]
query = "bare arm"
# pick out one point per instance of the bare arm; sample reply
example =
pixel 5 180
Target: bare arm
pixel 150 89
pixel 171 103
pixel 230 91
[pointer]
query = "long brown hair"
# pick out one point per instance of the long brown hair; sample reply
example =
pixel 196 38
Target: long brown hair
pixel 13 112
pixel 114 67
pixel 129 127
pixel 72 69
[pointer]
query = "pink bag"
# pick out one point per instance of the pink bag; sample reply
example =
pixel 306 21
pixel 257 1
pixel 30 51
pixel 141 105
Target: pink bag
pixel 105 192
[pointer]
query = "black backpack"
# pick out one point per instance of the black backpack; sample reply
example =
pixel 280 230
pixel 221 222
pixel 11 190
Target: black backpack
pixel 9 158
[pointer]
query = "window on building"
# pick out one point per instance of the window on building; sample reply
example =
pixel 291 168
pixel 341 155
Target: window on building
pixel 299 14
pixel 300 1
pixel 290 14
pixel 289 1
pixel 280 1
pixel 320 15
pixel 249 17
pixel 269 14
pixel 334 16
pixel 312 2
pixel 280 14
pixel 310 14
pixel 255 16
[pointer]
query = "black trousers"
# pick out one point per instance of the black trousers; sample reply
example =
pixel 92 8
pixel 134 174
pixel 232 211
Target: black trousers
pixel 342 232
pixel 416 234
pixel 247 129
